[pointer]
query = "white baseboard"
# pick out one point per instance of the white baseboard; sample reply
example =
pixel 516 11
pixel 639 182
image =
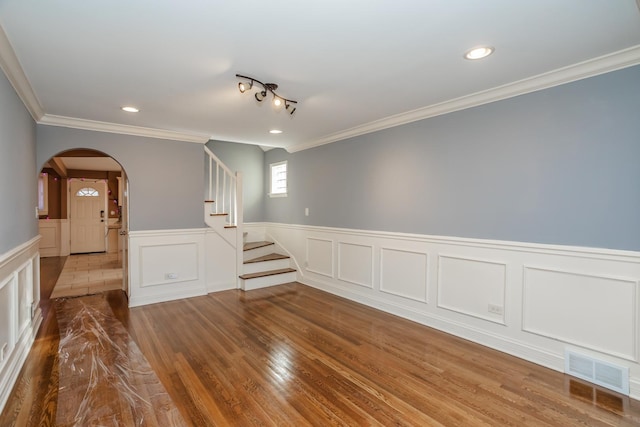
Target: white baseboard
pixel 156 298
pixel 634 386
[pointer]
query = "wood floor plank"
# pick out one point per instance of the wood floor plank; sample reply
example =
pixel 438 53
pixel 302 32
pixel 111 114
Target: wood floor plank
pixel 294 355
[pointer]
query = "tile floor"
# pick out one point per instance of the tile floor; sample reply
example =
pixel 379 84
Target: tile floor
pixel 87 274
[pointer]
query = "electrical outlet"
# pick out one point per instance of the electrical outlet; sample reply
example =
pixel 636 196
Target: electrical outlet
pixel 495 309
pixel 171 276
pixel 306 211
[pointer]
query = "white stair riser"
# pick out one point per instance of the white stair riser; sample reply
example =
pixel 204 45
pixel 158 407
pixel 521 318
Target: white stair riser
pixel 263 282
pixel 255 253
pixel 216 221
pixel 255 267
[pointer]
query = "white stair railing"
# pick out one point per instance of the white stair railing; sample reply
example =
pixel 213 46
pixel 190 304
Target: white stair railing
pixel 222 188
pixel 224 196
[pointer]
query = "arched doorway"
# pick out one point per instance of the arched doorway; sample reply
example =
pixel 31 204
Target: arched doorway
pixel 83 218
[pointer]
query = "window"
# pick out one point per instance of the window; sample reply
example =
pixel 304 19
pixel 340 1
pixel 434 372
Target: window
pixel 87 192
pixel 43 194
pixel 278 179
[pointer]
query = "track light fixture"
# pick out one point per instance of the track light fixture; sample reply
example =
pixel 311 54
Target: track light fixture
pixel 278 101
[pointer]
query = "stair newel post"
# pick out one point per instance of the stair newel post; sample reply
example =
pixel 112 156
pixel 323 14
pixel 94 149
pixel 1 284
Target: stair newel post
pixel 239 221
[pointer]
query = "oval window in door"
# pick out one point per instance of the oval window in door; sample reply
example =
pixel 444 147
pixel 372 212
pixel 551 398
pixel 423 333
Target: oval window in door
pixel 87 192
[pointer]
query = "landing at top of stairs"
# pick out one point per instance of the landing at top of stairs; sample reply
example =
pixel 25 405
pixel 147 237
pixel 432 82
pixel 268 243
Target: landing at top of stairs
pixel 255 245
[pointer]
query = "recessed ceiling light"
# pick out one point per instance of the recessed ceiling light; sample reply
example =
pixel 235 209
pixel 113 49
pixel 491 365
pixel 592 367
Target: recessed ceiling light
pixel 129 109
pixel 275 131
pixel 478 52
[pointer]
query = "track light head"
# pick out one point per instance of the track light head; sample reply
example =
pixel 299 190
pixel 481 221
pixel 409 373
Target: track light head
pixel 261 95
pixel 278 101
pixel 243 87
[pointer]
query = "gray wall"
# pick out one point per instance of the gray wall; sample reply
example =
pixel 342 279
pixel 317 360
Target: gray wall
pixel 559 166
pixel 248 159
pixel 18 173
pixel 165 177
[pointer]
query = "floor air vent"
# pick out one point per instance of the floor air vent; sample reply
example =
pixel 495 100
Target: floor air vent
pixel 606 374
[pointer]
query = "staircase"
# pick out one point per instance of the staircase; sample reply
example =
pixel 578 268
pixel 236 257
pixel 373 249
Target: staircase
pixel 258 264
pixel 263 267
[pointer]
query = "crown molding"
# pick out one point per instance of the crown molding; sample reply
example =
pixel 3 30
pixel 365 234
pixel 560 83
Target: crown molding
pixel 13 70
pixel 75 123
pixel 593 67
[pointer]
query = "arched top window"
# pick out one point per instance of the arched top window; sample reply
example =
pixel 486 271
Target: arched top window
pixel 87 192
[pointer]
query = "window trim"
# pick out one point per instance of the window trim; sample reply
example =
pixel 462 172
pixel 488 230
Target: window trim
pixel 271 167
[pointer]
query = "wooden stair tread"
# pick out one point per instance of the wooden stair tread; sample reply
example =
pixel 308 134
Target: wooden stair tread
pixel 209 201
pixel 230 226
pixel 218 214
pixel 270 257
pixel 267 273
pixel 255 245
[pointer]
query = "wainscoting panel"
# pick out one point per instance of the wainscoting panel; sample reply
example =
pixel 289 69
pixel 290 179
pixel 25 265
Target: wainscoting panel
pixel 471 286
pixel 569 315
pixel 320 256
pixel 163 264
pixel 20 314
pixel 166 265
pixel 25 296
pixel 491 292
pixel 404 273
pixel 7 317
pixel 50 242
pixel 355 264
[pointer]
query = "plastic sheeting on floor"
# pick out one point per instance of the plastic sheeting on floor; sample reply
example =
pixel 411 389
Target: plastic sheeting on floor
pixel 105 380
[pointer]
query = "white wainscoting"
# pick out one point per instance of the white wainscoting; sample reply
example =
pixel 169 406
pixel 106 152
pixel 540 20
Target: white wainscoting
pixel 20 314
pixel 530 300
pixel 404 273
pixel 166 265
pixel 50 231
pixel 613 330
pixel 355 264
pixel 469 286
pixel 320 257
pixel 54 237
pixel 220 263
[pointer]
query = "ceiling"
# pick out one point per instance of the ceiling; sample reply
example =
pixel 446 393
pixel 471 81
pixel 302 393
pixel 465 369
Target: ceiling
pixel 90 163
pixel 82 160
pixel 354 66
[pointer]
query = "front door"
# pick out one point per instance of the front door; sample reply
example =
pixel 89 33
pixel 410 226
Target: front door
pixel 87 218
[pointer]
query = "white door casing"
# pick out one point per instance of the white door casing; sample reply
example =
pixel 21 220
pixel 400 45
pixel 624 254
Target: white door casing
pixel 87 215
pixel 123 200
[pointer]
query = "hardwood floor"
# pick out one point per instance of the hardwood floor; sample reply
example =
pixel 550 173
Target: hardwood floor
pixel 50 269
pixel 293 355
